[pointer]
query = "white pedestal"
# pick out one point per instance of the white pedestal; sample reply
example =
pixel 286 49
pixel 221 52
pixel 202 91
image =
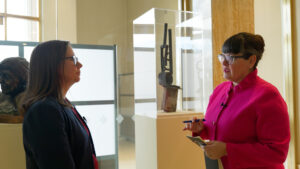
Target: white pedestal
pixel 162 144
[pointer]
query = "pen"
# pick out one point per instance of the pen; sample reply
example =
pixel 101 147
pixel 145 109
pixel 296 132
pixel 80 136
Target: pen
pixel 190 121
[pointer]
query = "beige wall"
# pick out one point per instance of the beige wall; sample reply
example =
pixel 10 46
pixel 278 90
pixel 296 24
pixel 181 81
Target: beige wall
pixel 48 20
pixel 138 7
pixel 108 22
pixel 104 22
pixel 59 20
pixel 267 21
pixel 296 41
pixel 12 154
pixel 66 21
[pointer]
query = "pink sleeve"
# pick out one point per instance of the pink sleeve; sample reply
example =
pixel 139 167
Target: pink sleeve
pixel 273 136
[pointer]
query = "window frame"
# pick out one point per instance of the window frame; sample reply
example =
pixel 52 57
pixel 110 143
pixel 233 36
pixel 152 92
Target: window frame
pixel 6 15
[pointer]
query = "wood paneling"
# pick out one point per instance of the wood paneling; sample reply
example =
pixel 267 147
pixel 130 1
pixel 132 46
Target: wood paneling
pixel 228 17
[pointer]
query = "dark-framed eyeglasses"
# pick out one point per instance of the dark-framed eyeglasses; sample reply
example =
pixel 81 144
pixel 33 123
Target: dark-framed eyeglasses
pixel 229 58
pixel 74 58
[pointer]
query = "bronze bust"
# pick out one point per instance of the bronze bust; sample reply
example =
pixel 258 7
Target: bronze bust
pixel 13 80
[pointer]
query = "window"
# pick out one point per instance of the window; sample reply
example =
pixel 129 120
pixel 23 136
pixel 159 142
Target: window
pixel 20 20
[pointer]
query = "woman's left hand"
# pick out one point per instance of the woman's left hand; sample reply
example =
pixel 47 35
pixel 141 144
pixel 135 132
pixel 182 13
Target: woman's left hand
pixel 215 149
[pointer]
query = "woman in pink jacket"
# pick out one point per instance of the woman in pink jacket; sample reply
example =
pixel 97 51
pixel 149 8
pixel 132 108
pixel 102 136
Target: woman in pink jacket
pixel 247 121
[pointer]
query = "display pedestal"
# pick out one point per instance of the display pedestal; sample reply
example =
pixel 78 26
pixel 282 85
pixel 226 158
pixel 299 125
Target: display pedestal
pixel 12 155
pixel 161 142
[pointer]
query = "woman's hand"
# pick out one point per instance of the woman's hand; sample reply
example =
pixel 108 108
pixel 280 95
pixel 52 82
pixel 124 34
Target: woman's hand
pixel 215 149
pixel 195 127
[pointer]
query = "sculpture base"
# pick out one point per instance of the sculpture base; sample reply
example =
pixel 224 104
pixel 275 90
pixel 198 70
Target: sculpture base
pixel 169 102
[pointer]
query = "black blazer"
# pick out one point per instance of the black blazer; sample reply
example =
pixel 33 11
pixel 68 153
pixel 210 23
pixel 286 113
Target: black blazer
pixel 54 138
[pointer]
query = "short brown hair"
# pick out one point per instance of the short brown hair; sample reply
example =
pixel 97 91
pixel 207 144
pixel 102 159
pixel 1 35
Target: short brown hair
pixel 245 43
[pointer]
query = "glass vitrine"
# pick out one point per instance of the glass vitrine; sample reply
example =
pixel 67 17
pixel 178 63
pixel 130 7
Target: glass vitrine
pixel 192 59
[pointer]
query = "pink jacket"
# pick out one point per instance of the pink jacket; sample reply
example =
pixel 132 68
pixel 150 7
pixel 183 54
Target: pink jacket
pixel 252 119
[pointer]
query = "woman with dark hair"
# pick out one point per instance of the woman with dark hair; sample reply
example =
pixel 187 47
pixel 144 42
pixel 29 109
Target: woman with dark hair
pixel 54 133
pixel 247 120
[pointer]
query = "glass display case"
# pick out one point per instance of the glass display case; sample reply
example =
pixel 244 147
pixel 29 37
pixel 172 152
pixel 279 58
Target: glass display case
pixel 192 60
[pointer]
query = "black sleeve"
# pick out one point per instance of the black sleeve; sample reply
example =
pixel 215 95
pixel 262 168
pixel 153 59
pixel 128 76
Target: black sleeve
pixel 45 136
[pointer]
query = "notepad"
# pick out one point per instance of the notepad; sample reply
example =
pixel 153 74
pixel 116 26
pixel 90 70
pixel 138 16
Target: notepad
pixel 198 140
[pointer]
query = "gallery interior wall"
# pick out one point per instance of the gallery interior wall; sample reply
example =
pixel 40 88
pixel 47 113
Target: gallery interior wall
pixel 110 22
pixel 268 23
pixel 59 20
pixel 296 53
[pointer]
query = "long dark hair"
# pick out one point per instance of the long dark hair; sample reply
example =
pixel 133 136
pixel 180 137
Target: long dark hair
pixel 45 77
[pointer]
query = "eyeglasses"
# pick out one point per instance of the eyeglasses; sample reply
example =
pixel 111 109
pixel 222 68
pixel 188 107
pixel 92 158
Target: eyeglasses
pixel 229 58
pixel 74 58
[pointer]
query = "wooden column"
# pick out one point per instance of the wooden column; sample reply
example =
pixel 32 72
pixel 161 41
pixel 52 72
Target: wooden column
pixel 228 17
